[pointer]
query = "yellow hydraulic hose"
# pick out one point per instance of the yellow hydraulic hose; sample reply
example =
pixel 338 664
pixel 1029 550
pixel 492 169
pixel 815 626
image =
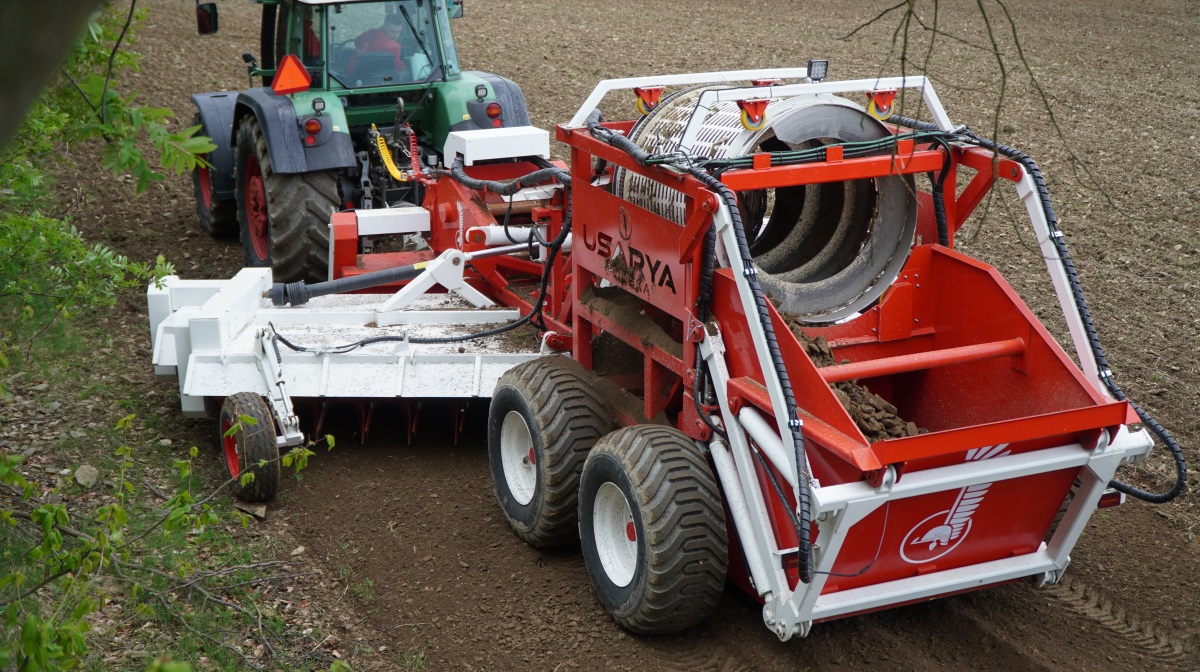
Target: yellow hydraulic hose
pixel 386 155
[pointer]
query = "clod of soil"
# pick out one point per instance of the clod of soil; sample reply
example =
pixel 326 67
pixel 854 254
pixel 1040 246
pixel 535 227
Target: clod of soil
pixel 872 413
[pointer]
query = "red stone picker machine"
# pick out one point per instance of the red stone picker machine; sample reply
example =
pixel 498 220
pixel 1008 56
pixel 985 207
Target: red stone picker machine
pixel 761 356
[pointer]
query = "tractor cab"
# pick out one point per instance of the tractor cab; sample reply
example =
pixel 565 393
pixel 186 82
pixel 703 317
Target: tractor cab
pixel 361 45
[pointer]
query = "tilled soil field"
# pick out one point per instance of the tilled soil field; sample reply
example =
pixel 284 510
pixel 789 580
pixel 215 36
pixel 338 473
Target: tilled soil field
pixel 447 578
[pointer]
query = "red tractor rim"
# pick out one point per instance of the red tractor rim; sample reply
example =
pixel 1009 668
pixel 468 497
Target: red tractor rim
pixel 205 187
pixel 229 442
pixel 256 209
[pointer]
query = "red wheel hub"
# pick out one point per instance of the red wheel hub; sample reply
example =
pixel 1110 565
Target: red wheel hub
pixel 229 442
pixel 205 186
pixel 256 209
pixel 630 531
pixel 532 456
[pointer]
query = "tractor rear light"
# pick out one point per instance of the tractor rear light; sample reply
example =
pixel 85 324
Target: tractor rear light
pixel 312 126
pixel 309 141
pixel 493 111
pixel 1110 498
pixel 291 77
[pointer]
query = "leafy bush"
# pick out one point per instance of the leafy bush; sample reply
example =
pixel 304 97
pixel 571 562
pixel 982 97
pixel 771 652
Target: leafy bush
pixel 46 268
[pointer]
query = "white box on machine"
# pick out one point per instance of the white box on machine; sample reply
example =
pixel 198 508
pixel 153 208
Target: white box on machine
pixel 402 218
pixel 497 143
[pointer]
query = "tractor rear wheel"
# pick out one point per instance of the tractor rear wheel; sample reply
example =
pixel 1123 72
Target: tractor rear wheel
pixel 284 219
pixel 218 217
pixel 249 445
pixel 652 527
pixel 544 418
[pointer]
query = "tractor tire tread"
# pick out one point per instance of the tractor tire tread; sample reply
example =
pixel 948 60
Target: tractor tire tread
pixel 220 220
pixel 684 526
pixel 299 206
pixel 572 417
pixel 257 443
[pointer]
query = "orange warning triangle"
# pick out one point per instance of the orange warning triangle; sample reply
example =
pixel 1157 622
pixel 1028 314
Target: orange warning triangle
pixel 291 76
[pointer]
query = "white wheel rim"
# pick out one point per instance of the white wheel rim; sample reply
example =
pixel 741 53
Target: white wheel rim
pixel 615 533
pixel 518 457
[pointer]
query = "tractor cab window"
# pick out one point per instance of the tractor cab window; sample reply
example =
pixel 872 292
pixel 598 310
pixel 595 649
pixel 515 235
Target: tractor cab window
pixel 387 43
pixel 305 34
pixel 441 14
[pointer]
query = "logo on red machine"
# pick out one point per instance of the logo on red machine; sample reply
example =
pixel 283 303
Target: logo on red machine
pixel 624 226
pixel 944 531
pixel 630 267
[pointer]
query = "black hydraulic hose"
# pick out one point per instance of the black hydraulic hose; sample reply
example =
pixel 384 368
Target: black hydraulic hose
pixel 703 299
pixel 1089 328
pixel 508 187
pixel 916 124
pixel 534 316
pixel 803 503
pixel 939 211
pixel 939 196
pixel 803 495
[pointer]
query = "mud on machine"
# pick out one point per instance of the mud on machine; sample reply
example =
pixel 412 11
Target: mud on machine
pixel 761 357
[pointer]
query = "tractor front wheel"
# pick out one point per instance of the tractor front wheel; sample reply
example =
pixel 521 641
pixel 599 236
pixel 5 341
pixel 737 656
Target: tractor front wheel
pixel 218 217
pixel 652 528
pixel 245 446
pixel 544 418
pixel 284 218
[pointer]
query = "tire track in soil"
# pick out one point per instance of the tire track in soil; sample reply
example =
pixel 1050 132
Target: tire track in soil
pixel 708 654
pixel 1091 603
pixel 928 636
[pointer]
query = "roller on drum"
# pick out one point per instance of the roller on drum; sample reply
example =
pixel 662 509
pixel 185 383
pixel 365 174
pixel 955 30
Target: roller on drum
pixel 824 252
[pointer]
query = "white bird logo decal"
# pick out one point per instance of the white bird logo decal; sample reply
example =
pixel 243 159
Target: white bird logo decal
pixel 958 518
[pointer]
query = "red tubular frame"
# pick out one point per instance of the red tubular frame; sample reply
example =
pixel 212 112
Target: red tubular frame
pixel 1013 347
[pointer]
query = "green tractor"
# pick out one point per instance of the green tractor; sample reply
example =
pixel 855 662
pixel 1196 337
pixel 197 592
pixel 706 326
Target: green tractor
pixel 353 94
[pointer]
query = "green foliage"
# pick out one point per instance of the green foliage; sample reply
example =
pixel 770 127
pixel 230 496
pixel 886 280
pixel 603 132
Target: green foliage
pixel 74 563
pixel 47 270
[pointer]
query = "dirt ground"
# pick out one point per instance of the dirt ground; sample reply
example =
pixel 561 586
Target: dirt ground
pixel 448 579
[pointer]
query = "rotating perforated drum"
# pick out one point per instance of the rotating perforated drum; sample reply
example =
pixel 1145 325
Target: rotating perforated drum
pixel 824 252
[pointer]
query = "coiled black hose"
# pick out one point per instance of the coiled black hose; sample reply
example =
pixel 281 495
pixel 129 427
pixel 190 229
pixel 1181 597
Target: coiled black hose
pixel 508 187
pixel 1085 315
pixel 803 517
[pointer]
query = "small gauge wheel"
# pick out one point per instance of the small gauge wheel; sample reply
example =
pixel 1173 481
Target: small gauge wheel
pixel 645 107
pixel 751 124
pixel 878 112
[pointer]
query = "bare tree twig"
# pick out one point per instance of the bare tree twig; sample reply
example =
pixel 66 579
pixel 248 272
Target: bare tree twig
pixel 879 16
